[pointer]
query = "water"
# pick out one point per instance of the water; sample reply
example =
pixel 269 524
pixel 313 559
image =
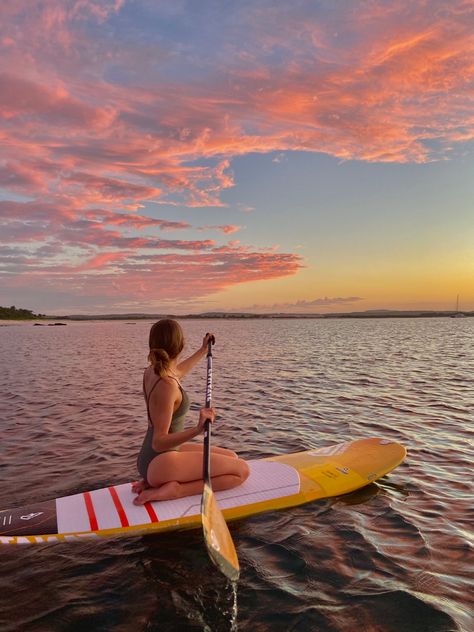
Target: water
pixel 395 556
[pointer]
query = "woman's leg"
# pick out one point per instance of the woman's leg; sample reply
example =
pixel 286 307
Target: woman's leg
pixel 178 474
pixel 198 447
pixel 139 486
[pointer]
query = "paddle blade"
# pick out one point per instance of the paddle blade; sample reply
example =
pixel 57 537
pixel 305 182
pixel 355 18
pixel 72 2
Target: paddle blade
pixel 220 545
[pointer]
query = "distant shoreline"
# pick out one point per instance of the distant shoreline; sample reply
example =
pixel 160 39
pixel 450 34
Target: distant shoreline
pixel 276 315
pixel 371 314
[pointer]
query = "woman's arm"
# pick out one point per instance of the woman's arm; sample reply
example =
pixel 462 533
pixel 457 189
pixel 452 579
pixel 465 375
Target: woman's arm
pixel 186 365
pixel 162 412
pixel 161 443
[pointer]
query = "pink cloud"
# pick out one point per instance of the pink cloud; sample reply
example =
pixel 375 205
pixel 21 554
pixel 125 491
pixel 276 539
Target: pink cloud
pixel 16 177
pixel 98 262
pixel 93 254
pixel 154 277
pixel 227 229
pixel 21 99
pixel 101 190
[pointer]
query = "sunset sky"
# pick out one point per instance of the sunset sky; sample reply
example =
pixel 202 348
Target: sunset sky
pixel 187 156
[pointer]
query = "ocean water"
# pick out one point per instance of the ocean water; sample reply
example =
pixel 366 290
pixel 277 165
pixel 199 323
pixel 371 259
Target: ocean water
pixel 395 556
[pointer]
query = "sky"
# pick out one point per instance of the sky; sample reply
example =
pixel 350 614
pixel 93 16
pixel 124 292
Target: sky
pixel 187 156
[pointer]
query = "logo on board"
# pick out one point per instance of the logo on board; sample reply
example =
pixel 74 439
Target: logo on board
pixel 31 515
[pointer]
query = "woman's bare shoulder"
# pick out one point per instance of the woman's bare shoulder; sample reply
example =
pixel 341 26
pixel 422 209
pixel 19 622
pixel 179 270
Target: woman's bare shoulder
pixel 170 382
pixel 167 388
pixel 159 385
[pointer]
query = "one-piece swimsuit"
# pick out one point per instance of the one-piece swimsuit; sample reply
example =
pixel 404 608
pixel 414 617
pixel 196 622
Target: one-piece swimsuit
pixel 147 453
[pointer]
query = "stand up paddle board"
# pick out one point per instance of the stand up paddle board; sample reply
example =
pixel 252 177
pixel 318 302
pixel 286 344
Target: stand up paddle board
pixel 274 483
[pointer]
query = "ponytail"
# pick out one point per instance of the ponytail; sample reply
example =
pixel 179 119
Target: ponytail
pixel 160 361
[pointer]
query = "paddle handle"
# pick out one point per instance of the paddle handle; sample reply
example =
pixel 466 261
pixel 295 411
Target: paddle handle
pixel 207 426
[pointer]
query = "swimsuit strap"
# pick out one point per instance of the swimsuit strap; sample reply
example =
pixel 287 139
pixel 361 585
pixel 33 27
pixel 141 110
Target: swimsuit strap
pixel 148 396
pixel 176 380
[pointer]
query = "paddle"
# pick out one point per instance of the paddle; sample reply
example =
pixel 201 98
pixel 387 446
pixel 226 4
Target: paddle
pixel 219 543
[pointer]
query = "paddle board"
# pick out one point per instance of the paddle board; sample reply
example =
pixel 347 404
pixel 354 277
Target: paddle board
pixel 274 483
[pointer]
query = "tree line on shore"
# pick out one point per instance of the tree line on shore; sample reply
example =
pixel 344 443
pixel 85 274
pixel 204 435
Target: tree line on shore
pixel 14 313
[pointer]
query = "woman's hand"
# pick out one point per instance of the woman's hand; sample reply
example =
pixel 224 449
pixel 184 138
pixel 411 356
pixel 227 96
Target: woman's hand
pixel 204 415
pixel 186 365
pixel 205 341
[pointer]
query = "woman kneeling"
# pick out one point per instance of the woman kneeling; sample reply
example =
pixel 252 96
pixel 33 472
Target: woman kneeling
pixel 170 466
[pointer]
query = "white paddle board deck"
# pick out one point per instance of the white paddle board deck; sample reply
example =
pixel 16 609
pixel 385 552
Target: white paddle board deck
pixel 274 483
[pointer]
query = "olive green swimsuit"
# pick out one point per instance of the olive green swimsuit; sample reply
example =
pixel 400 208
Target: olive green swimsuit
pixel 147 454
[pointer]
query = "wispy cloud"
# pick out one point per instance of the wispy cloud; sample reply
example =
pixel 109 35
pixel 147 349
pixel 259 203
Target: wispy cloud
pixel 227 229
pixel 304 306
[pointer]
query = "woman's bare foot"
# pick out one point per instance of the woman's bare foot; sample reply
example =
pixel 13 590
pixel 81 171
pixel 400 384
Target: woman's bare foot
pixel 139 486
pixel 167 491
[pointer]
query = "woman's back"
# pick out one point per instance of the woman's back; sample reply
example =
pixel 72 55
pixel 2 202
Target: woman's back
pixel 147 453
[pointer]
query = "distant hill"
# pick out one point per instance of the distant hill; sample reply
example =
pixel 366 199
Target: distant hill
pixel 373 313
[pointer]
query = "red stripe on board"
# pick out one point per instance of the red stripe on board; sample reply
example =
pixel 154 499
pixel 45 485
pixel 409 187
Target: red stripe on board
pixel 151 512
pixel 119 507
pixel 90 510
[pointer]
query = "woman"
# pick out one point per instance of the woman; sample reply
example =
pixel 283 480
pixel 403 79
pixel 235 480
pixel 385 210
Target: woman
pixel 171 467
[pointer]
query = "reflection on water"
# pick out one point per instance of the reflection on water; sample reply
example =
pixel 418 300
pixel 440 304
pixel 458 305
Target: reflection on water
pixel 393 556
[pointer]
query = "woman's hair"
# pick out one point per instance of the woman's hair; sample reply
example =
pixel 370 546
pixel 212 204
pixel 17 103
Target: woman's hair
pixel 166 342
